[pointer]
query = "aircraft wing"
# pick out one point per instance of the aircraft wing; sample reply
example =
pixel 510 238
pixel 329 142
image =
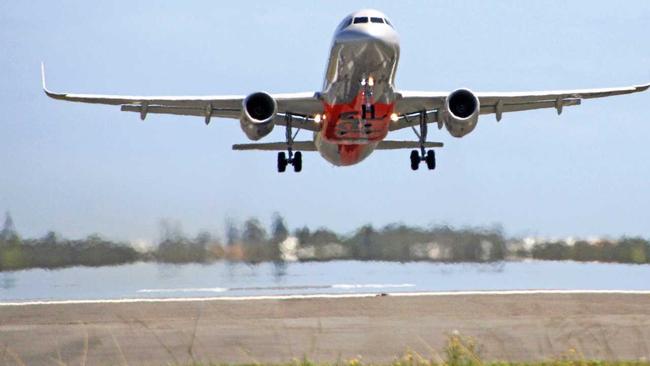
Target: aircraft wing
pixel 224 106
pixel 410 103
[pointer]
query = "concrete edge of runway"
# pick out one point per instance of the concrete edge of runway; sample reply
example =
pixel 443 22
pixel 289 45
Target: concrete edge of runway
pixel 324 296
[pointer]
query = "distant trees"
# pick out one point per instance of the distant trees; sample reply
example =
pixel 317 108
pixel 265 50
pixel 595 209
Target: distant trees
pixel 11 253
pixel 364 244
pixel 632 250
pixel 626 250
pixel 319 237
pixel 232 232
pixel 398 242
pixel 8 232
pixel 279 233
pixel 51 251
pixel 175 247
pixel 278 228
pixel 552 250
pixel 252 242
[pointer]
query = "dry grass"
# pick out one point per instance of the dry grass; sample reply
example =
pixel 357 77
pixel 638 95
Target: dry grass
pixel 458 351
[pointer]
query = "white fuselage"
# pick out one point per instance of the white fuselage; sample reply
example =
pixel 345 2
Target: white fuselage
pixel 358 91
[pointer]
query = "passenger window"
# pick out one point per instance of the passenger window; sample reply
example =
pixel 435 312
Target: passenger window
pixel 360 20
pixel 376 20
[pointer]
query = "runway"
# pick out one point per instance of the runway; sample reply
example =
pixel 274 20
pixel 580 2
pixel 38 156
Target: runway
pixel 510 325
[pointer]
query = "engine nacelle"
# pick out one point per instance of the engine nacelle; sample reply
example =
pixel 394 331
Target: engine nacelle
pixel 258 111
pixel 462 108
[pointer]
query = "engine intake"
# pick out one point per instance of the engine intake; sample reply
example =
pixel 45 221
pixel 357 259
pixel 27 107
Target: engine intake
pixel 462 109
pixel 258 111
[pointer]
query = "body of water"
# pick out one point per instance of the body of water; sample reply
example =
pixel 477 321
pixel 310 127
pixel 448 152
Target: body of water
pixel 153 280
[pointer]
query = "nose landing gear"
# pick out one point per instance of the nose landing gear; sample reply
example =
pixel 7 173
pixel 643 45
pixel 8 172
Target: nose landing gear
pixel 429 157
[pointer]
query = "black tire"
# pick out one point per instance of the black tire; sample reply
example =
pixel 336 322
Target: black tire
pixel 415 160
pixel 431 159
pixel 282 162
pixel 297 162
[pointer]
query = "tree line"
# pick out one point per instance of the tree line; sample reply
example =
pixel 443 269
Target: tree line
pixel 625 250
pixel 252 242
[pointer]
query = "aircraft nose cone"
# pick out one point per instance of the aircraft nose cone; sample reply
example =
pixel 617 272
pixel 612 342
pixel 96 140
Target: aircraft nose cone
pixel 386 37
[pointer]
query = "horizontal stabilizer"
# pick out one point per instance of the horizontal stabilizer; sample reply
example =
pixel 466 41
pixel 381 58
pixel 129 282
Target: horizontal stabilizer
pixel 276 146
pixel 394 145
pixel 310 146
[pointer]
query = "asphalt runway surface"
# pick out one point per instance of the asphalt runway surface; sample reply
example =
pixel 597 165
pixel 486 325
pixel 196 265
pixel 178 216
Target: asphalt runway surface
pixel 513 326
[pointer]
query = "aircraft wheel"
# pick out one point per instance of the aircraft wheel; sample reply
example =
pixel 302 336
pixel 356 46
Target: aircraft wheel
pixel 297 162
pixel 431 159
pixel 282 162
pixel 415 160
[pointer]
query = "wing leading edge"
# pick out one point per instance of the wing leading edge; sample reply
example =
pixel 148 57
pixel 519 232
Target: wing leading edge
pixel 410 103
pixel 223 106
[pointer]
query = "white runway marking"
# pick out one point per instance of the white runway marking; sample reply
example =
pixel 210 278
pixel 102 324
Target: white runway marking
pixel 372 285
pixel 331 296
pixel 278 288
pixel 201 289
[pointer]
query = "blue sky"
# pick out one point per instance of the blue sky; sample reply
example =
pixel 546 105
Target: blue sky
pixel 80 169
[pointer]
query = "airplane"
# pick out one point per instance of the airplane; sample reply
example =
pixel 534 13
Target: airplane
pixel 357 107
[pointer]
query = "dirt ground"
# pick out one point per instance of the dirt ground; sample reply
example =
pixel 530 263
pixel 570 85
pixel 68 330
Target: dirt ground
pixel 509 327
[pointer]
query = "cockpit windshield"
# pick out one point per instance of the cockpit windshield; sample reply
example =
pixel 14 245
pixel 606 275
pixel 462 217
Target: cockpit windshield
pixel 365 20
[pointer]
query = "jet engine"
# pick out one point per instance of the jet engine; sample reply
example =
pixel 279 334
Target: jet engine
pixel 258 111
pixel 462 108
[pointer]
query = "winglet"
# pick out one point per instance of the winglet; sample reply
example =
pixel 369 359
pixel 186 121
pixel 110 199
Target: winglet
pixel 45 89
pixel 43 76
pixel 47 92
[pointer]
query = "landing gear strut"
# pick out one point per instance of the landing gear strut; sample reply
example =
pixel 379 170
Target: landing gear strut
pixel 290 157
pixel 423 155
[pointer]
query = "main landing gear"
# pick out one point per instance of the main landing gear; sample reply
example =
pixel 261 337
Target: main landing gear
pixel 290 157
pixel 294 159
pixel 428 156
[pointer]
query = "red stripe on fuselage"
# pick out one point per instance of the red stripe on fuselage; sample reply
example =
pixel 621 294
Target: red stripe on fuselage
pixel 343 125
